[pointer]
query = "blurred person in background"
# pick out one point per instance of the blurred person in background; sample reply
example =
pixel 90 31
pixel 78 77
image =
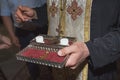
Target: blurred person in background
pixel 21 34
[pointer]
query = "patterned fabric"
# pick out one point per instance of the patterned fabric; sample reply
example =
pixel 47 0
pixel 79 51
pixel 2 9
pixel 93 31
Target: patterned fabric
pixel 8 7
pixel 67 19
pixel 74 10
pixel 71 18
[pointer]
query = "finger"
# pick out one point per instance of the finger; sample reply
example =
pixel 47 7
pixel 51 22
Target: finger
pixel 19 13
pixel 72 60
pixel 63 52
pixel 24 8
pixel 18 20
pixel 9 43
pixel 4 46
pixel 75 62
pixel 6 40
pixel 27 11
pixel 7 46
pixel 27 18
pixel 74 67
pixel 29 14
pixel 67 50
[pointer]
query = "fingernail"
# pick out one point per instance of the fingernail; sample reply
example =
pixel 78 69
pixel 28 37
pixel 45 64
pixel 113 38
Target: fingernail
pixel 59 53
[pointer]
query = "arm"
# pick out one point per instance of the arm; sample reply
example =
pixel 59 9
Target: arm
pixel 100 51
pixel 105 50
pixel 9 26
pixel 5 14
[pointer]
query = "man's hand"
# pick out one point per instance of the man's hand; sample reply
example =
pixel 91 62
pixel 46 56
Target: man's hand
pixel 4 46
pixel 78 52
pixel 24 13
pixel 15 41
pixel 6 42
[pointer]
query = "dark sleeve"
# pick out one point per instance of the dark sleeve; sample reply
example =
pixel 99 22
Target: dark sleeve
pixel 104 50
pixel 42 15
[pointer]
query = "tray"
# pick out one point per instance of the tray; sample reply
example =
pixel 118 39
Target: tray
pixel 45 53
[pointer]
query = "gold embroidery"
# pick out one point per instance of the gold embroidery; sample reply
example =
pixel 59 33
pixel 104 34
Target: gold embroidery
pixel 53 9
pixel 86 33
pixel 74 10
pixel 61 25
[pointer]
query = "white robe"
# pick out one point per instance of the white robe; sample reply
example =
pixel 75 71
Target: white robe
pixel 62 12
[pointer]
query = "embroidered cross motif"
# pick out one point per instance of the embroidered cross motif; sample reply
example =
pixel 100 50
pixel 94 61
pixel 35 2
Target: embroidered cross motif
pixel 53 9
pixel 74 10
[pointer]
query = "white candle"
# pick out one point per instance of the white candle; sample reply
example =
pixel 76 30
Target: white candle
pixel 39 39
pixel 64 41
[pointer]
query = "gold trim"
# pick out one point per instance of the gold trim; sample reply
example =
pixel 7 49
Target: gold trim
pixel 48 16
pixel 62 17
pixel 86 33
pixel 87 20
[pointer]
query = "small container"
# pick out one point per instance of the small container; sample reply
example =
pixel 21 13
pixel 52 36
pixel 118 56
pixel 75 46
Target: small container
pixel 39 39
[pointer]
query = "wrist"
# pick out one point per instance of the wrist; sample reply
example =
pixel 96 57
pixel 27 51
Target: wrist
pixel 86 49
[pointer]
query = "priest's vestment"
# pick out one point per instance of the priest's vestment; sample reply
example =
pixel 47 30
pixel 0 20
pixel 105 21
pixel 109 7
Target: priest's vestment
pixel 70 18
